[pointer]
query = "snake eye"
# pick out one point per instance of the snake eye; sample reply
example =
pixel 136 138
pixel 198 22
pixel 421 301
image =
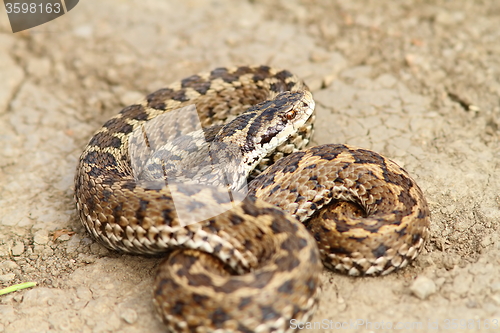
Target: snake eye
pixel 290 114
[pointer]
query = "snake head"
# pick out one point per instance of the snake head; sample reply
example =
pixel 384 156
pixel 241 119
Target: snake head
pixel 267 125
pixel 282 117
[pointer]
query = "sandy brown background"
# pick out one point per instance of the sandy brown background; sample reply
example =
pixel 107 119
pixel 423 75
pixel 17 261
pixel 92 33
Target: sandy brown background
pixel 417 81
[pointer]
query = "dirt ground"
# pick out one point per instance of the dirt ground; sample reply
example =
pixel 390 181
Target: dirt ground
pixel 418 81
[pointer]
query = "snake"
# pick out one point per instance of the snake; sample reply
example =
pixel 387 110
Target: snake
pixel 168 176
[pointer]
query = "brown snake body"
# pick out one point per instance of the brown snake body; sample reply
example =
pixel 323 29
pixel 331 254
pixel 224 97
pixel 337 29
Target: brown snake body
pixel 253 267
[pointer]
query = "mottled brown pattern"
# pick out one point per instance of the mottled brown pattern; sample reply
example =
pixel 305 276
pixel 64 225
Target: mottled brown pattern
pixel 229 265
pixel 367 214
pixel 253 267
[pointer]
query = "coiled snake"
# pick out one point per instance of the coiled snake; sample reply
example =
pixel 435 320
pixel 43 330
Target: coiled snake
pixel 247 264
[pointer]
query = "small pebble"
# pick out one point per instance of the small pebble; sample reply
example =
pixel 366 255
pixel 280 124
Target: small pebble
pixel 18 249
pixel 41 237
pixel 423 287
pixel 129 315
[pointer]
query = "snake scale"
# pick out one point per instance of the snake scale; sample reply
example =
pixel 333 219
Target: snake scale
pixel 252 264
